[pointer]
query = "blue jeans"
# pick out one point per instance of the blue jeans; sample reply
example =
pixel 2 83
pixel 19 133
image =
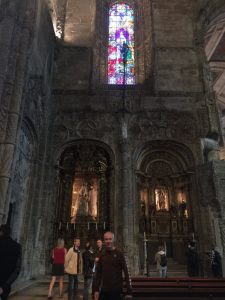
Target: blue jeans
pixel 87 288
pixel 162 272
pixel 72 286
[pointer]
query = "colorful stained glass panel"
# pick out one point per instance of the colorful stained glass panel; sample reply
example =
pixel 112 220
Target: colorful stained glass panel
pixel 121 45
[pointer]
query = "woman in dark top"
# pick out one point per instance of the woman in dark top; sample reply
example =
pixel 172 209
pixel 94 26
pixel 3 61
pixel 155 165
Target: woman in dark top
pixel 58 259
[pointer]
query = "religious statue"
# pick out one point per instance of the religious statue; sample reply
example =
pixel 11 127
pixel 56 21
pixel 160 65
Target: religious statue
pixel 84 201
pixel 161 199
pixel 183 207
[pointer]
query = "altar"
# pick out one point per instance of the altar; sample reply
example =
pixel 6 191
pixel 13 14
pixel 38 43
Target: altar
pixel 165 216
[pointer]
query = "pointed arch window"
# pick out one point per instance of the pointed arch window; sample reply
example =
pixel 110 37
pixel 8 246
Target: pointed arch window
pixel 121 45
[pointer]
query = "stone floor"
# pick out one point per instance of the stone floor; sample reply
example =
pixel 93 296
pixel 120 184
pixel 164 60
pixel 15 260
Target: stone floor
pixel 39 291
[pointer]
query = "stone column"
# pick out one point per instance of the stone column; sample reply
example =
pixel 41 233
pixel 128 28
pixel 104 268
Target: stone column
pixel 6 32
pixel 66 197
pixel 103 209
pixel 125 189
pixel 9 10
pixel 12 100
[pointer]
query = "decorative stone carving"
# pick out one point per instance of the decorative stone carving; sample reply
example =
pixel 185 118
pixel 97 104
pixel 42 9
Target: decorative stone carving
pixel 156 125
pixel 211 148
pixel 222 230
pixel 159 169
pixel 35 107
pixel 75 126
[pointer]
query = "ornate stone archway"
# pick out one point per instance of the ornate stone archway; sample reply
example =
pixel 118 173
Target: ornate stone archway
pixel 84 207
pixel 165 212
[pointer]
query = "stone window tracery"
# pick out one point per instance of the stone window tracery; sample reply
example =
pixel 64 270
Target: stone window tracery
pixel 141 50
pixel 121 44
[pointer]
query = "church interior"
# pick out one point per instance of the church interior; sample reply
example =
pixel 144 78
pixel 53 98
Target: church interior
pixel 112 117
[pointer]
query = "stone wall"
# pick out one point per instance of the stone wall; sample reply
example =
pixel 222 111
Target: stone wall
pixel 175 109
pixel 27 44
pixel 54 95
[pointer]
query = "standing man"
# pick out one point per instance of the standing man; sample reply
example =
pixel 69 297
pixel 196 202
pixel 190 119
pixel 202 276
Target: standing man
pixel 109 271
pixel 73 267
pixel 99 247
pixel 10 261
pixel 88 265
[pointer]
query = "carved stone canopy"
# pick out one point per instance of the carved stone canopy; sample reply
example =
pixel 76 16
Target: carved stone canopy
pixel 84 157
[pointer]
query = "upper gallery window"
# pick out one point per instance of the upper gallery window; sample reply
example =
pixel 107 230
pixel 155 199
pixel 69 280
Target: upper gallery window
pixel 121 44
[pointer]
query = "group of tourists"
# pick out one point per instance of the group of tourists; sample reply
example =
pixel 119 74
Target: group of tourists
pixel 201 264
pixel 103 267
pixel 196 263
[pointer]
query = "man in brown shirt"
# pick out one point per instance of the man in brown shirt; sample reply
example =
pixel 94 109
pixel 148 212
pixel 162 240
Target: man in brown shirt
pixel 109 271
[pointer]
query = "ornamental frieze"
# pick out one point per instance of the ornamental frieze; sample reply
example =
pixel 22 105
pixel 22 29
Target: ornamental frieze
pixel 164 125
pixel 77 126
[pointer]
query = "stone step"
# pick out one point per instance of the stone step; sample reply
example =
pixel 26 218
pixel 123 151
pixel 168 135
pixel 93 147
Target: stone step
pixel 171 267
pixel 170 274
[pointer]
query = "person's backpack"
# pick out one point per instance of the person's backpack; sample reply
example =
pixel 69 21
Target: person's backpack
pixel 163 260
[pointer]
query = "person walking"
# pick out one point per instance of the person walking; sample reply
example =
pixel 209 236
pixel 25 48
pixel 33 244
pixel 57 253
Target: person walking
pixel 88 265
pixel 73 267
pixel 109 272
pixel 58 260
pixel 10 261
pixel 161 261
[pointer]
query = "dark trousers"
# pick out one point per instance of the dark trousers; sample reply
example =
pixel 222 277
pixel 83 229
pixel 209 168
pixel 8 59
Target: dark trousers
pixel 87 288
pixel 5 294
pixel 114 295
pixel 72 286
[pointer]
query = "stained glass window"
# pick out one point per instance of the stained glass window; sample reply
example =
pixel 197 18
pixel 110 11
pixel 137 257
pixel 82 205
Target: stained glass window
pixel 121 44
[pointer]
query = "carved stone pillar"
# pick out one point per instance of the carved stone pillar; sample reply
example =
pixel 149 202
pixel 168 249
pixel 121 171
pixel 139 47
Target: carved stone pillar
pixel 129 241
pixel 9 11
pixel 103 205
pixel 12 100
pixel 66 196
pixel 125 188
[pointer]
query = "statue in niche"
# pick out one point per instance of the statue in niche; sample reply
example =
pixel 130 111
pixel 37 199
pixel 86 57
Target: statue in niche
pixel 84 201
pixel 161 199
pixel 183 208
pixel 173 210
pixel 143 208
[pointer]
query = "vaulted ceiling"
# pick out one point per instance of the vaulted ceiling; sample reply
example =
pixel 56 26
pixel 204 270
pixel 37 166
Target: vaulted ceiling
pixel 74 20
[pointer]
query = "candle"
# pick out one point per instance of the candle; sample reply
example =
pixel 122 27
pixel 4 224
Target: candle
pixel 165 246
pixel 193 236
pixel 74 225
pixel 67 226
pixel 88 226
pixel 59 225
pixel 96 226
pixel 104 225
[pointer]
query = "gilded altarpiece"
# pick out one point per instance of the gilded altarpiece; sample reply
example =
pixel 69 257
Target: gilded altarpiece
pixel 165 216
pixel 84 174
